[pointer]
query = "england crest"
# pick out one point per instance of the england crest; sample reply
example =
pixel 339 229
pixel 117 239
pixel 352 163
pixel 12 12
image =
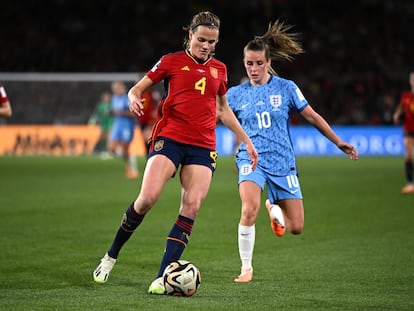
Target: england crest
pixel 275 101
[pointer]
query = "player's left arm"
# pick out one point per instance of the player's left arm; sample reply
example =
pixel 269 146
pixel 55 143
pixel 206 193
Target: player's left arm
pixel 398 113
pixel 226 115
pixel 320 123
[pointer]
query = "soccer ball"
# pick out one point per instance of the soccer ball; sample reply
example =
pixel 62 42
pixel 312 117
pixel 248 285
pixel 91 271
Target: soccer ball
pixel 181 278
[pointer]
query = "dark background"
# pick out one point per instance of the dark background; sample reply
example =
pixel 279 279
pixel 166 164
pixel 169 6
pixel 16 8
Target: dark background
pixel 358 53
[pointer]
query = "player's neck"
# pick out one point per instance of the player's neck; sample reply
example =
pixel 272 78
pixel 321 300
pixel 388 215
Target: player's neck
pixel 198 60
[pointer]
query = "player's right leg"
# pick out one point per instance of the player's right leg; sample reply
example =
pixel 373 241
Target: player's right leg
pixel 250 195
pixel 130 222
pixel 101 273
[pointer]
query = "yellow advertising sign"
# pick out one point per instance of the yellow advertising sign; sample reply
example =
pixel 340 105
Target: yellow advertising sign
pixel 67 140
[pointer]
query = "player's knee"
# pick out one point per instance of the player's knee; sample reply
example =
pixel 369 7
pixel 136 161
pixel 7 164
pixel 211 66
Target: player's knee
pixel 191 207
pixel 144 203
pixel 248 219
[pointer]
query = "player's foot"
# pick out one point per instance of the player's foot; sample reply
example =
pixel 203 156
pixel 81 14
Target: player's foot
pixel 131 174
pixel 157 287
pixel 245 276
pixel 409 188
pixel 277 220
pixel 101 273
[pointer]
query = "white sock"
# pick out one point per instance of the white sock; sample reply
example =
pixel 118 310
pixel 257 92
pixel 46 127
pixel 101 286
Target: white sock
pixel 277 213
pixel 246 239
pixel 132 162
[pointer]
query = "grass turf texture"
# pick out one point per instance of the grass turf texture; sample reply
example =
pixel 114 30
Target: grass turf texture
pixel 58 216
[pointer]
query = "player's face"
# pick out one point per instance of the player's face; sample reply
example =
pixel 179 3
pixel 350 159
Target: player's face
pixel 256 66
pixel 203 41
pixel 118 88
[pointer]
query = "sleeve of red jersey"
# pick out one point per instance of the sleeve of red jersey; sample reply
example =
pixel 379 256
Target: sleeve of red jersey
pixel 159 71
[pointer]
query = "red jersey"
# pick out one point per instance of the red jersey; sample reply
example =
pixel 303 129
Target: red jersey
pixel 187 111
pixel 3 95
pixel 407 101
pixel 149 109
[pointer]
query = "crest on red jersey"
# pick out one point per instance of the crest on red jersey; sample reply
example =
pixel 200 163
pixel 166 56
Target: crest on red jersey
pixel 214 72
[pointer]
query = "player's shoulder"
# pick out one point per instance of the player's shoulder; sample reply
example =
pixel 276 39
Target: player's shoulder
pixel 281 81
pixel 214 61
pixel 173 55
pixel 237 89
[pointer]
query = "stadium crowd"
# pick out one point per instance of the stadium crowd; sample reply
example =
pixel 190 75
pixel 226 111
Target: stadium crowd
pixel 357 59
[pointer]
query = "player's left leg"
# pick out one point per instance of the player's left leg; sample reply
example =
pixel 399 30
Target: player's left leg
pixel 195 182
pixel 277 220
pixel 285 204
pixel 293 213
pixel 408 165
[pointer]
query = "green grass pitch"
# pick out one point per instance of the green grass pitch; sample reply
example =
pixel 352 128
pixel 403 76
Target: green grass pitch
pixel 58 216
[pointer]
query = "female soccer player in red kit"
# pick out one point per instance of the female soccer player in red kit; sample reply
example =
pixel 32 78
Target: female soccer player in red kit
pixel 184 134
pixel 5 107
pixel 406 108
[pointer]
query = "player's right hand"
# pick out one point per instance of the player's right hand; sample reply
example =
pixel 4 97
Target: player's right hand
pixel 137 105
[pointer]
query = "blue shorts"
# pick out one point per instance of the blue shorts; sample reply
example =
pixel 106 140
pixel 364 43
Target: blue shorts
pixel 184 154
pixel 122 132
pixel 278 187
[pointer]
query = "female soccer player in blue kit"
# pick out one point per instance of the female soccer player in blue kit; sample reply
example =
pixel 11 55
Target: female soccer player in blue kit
pixel 183 135
pixel 123 127
pixel 262 105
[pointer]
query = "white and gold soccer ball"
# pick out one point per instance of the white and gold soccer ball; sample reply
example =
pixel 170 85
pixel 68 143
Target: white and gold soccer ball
pixel 181 278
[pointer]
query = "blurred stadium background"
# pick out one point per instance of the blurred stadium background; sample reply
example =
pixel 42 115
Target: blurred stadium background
pixel 358 53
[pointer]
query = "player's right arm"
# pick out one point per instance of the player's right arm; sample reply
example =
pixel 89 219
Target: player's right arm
pixel 226 115
pixel 135 97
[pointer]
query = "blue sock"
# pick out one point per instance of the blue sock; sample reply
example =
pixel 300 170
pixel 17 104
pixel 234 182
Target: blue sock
pixel 177 240
pixel 130 222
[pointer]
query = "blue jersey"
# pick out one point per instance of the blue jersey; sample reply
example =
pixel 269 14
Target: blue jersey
pixel 264 113
pixel 123 126
pixel 121 102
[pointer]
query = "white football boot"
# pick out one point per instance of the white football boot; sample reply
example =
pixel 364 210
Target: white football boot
pixel 101 273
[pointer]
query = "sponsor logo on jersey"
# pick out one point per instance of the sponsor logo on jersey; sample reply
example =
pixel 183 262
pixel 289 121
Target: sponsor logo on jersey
pixel 185 68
